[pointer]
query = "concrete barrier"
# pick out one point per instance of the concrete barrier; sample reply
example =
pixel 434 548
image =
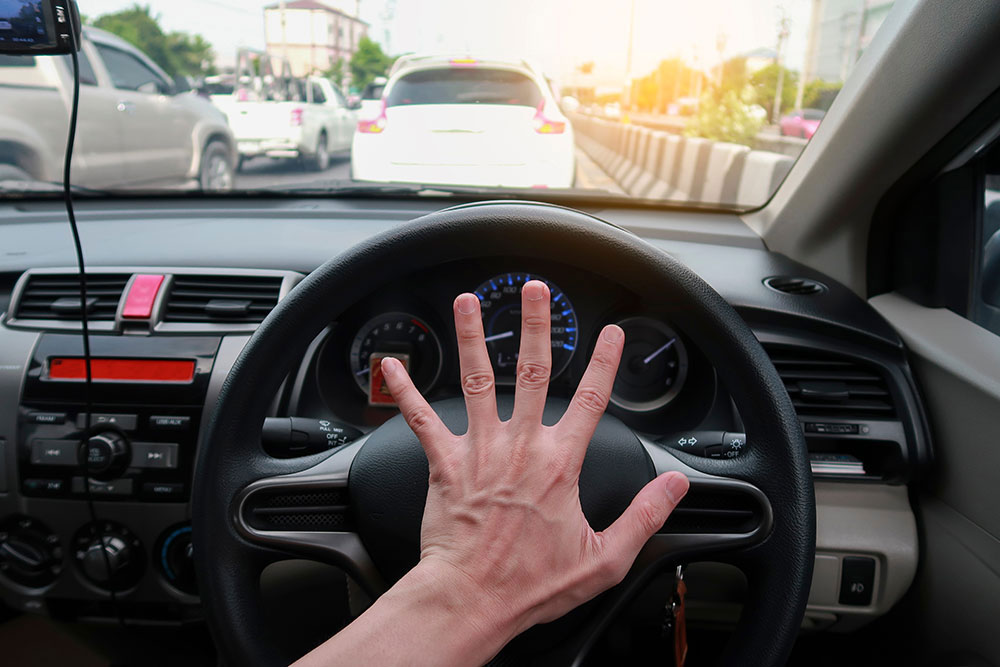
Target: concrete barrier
pixel 654 164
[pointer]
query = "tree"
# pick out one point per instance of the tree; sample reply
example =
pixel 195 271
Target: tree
pixel 178 53
pixel 819 94
pixel 730 116
pixel 367 63
pixel 336 72
pixel 765 84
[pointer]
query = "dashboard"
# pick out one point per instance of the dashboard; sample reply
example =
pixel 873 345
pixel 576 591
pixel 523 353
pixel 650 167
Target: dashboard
pixel 179 285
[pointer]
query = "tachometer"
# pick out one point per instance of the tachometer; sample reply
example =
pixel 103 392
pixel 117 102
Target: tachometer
pixel 400 335
pixel 500 297
pixel 653 367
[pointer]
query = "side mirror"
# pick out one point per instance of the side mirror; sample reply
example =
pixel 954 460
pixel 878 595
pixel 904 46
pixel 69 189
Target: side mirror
pixel 181 85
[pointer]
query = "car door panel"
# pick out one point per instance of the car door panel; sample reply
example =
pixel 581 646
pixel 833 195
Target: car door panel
pixel 958 366
pixel 156 145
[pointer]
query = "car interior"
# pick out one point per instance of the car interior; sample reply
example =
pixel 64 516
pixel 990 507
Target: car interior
pixel 232 487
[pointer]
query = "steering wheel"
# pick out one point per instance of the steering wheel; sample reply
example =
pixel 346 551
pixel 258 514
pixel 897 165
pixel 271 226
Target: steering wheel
pixel 360 506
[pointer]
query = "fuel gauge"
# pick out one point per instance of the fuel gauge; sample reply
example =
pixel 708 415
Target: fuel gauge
pixel 653 367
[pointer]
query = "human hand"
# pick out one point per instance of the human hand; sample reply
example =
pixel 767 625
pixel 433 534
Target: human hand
pixel 503 529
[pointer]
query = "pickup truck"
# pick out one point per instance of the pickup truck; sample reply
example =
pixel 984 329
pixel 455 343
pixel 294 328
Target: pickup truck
pixel 136 127
pixel 310 119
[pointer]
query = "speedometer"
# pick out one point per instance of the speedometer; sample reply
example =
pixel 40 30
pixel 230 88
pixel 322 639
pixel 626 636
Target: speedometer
pixel 500 298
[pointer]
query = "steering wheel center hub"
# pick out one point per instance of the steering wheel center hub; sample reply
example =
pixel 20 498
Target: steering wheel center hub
pixel 388 480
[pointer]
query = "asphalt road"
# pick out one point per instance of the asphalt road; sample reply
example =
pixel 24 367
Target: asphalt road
pixel 267 173
pixel 264 172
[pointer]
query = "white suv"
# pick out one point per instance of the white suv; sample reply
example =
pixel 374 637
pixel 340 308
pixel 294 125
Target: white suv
pixel 466 121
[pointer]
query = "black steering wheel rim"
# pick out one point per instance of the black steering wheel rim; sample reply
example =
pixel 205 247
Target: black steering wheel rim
pixel 779 567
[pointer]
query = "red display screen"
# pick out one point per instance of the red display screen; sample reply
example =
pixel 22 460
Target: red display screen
pixel 123 370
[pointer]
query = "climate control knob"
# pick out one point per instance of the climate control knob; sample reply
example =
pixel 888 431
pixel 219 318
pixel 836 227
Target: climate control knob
pixel 105 455
pixel 29 552
pixel 105 558
pixel 108 555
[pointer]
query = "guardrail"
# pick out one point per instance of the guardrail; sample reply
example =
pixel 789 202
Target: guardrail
pixel 764 141
pixel 659 165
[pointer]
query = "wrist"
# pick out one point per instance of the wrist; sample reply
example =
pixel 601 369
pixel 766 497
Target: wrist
pixel 488 622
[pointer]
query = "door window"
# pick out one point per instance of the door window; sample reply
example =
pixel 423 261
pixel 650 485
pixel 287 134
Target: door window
pixel 129 73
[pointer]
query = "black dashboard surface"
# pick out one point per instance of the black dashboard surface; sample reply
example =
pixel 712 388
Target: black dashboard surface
pixel 300 234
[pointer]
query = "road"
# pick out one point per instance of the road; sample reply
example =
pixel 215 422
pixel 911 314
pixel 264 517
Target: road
pixel 268 173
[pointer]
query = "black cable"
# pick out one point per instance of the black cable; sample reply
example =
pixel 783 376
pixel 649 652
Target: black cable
pixel 85 330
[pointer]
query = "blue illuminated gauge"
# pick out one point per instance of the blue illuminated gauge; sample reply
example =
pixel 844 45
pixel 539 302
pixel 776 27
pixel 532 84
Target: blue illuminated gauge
pixel 653 368
pixel 500 297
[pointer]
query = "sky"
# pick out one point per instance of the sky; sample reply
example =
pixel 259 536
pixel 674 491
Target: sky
pixel 559 35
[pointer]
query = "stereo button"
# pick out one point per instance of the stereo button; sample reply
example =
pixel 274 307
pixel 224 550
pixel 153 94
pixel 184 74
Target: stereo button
pixel 54 452
pixel 169 422
pixel 47 417
pixel 154 455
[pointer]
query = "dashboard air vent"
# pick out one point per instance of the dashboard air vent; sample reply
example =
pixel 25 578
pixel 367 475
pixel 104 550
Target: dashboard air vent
pixel 793 285
pixel 221 298
pixel 56 296
pixel 831 385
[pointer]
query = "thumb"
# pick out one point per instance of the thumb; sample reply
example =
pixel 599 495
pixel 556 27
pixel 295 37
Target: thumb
pixel 645 515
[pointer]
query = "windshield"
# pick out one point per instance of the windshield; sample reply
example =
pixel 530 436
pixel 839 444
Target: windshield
pixel 672 102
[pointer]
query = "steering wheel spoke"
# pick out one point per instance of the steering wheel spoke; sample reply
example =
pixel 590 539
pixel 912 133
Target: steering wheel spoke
pixel 719 514
pixel 308 514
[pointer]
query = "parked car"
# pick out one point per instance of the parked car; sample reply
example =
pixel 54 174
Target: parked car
pixel 465 121
pixel 309 119
pixel 801 123
pixel 136 129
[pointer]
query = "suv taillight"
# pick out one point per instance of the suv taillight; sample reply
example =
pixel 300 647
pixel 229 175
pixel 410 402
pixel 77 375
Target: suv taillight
pixel 544 125
pixel 375 125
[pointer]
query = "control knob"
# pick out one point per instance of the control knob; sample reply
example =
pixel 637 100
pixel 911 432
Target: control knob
pixel 105 455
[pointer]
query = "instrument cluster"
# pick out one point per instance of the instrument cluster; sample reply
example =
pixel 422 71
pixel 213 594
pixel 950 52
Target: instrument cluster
pixel 663 381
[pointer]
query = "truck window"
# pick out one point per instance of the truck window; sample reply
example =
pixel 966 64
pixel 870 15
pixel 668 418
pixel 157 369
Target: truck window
pixel 128 72
pixel 317 94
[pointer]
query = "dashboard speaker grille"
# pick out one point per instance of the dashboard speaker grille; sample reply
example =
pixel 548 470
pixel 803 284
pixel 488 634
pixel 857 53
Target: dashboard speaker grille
pixel 56 296
pixel 221 298
pixel 826 384
pixel 793 285
pixel 320 510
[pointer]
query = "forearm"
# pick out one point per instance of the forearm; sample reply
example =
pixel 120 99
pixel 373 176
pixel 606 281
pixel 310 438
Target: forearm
pixel 425 619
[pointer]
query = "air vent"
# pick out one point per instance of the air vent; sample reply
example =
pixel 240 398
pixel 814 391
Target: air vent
pixel 221 298
pixel 56 296
pixel 320 510
pixel 831 385
pixel 792 285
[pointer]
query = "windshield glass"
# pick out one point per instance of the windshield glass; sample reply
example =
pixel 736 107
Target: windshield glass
pixel 660 101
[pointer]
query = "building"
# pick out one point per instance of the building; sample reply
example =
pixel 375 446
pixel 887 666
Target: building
pixel 313 35
pixel 842 31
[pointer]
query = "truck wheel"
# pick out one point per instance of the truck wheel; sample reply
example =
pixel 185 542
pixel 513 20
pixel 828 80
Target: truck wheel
pixel 321 157
pixel 217 170
pixel 9 172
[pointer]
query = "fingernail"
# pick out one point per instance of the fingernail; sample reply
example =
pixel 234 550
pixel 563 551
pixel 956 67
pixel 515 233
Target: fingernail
pixel 676 487
pixel 389 365
pixel 534 290
pixel 466 304
pixel 613 333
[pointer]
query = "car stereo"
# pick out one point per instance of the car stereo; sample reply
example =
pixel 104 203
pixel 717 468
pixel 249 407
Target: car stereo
pixel 39 27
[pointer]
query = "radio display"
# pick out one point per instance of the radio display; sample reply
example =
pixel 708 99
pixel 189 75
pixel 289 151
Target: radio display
pixel 122 370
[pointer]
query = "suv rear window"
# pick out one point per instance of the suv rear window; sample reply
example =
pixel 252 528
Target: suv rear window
pixel 465 86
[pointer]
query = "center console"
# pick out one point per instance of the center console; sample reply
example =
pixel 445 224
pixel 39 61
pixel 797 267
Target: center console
pixel 95 507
